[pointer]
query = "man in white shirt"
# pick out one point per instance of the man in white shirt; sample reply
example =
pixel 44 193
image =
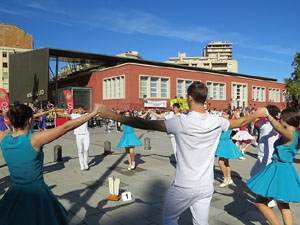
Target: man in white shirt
pixel 197 136
pixel 82 137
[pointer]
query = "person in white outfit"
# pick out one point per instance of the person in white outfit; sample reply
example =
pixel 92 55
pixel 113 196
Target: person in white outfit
pixel 267 138
pixel 175 112
pixel 82 137
pixel 197 137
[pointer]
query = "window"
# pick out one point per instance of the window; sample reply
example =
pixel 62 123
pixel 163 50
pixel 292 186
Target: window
pixel 284 95
pixel 154 87
pixel 5 86
pixel 114 87
pixel 4 65
pixel 5 75
pixel 258 94
pixel 182 86
pixel 274 95
pixel 4 54
pixel 164 88
pixel 216 91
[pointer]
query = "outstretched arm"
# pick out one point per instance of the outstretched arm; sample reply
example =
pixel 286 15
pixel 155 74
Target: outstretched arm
pixel 243 121
pixel 133 121
pixel 161 116
pixel 279 128
pixel 63 115
pixel 41 138
pixel 144 115
pixel 42 113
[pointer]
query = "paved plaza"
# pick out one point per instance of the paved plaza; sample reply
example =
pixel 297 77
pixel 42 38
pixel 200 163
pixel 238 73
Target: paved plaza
pixel 83 193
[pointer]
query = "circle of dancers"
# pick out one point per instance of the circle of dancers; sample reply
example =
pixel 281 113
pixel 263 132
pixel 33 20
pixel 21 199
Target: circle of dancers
pixel 273 177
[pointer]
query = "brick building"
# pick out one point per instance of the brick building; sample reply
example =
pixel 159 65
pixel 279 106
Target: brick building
pixel 12 40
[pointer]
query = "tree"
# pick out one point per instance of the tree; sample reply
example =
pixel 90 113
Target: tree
pixel 293 83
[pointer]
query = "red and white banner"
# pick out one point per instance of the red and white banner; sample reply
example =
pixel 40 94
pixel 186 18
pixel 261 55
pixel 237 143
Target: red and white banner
pixel 4 103
pixel 69 99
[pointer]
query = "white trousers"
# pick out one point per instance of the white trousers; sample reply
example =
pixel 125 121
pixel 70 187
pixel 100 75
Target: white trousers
pixel 178 199
pixel 173 142
pixel 83 144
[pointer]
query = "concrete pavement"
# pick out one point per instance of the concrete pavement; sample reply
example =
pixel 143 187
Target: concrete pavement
pixel 83 193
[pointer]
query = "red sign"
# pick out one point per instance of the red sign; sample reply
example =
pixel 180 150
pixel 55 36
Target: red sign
pixel 69 99
pixel 4 103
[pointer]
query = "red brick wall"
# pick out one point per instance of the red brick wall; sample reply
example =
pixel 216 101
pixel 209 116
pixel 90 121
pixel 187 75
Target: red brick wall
pixel 12 36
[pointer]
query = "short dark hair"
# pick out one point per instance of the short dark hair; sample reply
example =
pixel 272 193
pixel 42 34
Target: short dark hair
pixel 176 105
pixel 291 117
pixel 273 110
pixel 19 114
pixel 80 106
pixel 198 91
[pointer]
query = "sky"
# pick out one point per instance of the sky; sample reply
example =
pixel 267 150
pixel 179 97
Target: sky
pixel 265 34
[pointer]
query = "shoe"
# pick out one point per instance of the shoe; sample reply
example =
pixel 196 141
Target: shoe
pixel 243 151
pixel 242 158
pixel 225 183
pixel 86 167
pixel 133 165
pixel 129 168
pixel 272 204
pixel 230 181
pixel 81 167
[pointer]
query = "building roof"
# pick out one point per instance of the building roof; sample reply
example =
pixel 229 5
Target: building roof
pixel 102 60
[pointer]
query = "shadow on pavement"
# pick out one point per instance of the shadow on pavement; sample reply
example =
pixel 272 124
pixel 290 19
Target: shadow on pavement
pixel 56 166
pixel 242 206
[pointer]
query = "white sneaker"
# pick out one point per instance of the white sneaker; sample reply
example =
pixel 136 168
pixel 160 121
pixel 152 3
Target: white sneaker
pixel 230 181
pixel 242 158
pixel 86 167
pixel 81 167
pixel 225 183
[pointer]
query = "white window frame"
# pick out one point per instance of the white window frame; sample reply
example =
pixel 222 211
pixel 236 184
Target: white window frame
pixel 158 86
pixel 257 95
pixel 184 89
pixel 283 95
pixel 111 87
pixel 210 93
pixel 273 97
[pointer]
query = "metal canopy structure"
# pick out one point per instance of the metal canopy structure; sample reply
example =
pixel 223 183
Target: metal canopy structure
pixel 29 71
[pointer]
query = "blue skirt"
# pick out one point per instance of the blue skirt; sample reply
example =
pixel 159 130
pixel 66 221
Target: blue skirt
pixel 129 140
pixel 228 150
pixel 32 204
pixel 278 181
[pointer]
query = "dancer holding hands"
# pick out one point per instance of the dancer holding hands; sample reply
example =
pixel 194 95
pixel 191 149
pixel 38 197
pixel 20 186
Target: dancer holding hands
pixel 196 137
pixel 29 198
pixel 226 150
pixel 279 179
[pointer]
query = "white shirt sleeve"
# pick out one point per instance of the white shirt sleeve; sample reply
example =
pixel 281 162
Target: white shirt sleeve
pixel 224 124
pixel 172 125
pixel 73 116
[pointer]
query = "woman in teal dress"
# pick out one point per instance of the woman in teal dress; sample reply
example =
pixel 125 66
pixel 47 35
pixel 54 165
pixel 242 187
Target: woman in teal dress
pixel 279 179
pixel 226 150
pixel 29 200
pixel 128 141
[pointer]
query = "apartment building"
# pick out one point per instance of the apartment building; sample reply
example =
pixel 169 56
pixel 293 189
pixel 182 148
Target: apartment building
pixel 216 56
pixel 12 40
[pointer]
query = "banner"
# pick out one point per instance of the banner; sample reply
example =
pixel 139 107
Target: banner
pixel 69 99
pixel 182 102
pixel 4 103
pixel 155 103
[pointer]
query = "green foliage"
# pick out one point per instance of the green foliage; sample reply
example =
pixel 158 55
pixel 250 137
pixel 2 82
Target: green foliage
pixel 293 83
